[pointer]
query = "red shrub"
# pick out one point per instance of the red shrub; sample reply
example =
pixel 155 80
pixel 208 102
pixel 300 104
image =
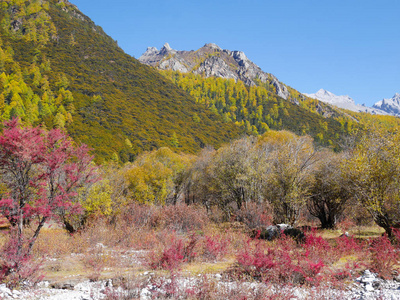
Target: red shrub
pixel 215 247
pixel 18 266
pixel 286 262
pixel 384 257
pixel 277 265
pixel 316 248
pixel 347 246
pixel 171 257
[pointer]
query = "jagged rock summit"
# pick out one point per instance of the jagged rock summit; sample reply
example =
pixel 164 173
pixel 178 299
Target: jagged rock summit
pixel 391 106
pixel 211 60
pixel 345 102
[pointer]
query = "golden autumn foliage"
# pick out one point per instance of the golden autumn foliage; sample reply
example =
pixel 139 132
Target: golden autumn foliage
pixel 156 175
pixel 373 175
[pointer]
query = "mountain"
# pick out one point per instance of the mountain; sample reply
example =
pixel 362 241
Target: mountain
pixel 344 102
pixel 59 69
pixel 211 60
pixel 390 106
pixel 229 84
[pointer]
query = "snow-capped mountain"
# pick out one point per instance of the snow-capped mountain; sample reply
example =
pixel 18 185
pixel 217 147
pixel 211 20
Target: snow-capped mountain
pixel 345 102
pixel 391 106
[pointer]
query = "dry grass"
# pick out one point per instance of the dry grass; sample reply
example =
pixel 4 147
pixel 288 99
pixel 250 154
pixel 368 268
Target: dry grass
pixel 121 250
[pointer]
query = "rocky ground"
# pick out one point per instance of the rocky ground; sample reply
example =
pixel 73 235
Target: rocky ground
pixel 368 286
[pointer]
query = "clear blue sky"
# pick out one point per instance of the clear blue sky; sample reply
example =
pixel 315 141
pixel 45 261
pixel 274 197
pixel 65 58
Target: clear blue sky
pixel 345 46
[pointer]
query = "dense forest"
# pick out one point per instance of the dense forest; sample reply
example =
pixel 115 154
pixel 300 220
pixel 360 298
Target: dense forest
pixel 257 109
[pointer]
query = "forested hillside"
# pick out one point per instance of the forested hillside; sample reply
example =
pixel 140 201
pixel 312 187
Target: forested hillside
pixel 234 87
pixel 61 70
pixel 256 109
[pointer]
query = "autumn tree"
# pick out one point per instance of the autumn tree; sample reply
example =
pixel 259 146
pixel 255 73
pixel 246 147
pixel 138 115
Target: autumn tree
pixel 231 175
pixel 292 159
pixel 156 176
pixel 41 171
pixel 373 176
pixel 105 198
pixel 196 179
pixel 328 193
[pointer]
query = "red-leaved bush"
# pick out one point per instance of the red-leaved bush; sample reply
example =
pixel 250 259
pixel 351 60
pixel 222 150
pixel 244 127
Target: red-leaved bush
pixel 16 266
pixel 172 256
pixel 317 249
pixel 348 245
pixel 384 257
pixel 215 247
pixel 282 263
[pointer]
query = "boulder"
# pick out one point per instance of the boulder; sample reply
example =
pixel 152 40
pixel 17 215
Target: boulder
pixel 275 231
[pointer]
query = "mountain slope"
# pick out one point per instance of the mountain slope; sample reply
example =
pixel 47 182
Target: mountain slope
pixel 344 102
pixel 256 109
pixel 117 105
pixel 253 99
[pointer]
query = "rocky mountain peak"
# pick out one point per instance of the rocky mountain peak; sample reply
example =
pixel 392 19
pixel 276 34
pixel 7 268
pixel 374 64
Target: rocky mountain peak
pixel 165 49
pixel 150 50
pixel 212 46
pixel 211 60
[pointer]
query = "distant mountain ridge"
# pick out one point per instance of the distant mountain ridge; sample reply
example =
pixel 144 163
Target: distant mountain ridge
pixel 391 106
pixel 344 101
pixel 211 60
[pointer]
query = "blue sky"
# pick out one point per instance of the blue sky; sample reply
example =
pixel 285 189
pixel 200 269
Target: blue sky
pixel 345 46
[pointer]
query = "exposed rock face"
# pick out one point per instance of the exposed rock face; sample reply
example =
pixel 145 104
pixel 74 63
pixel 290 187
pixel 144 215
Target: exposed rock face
pixel 211 60
pixel 216 66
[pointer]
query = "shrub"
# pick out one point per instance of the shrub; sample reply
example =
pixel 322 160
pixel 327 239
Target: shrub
pixel 17 266
pixel 384 257
pixel 182 217
pixel 255 215
pixel 139 216
pixel 348 245
pixel 284 263
pixel 172 256
pixel 215 247
pixel 316 248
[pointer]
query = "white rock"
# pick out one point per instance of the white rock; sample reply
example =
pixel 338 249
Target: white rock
pixel 369 288
pixel 5 290
pixel 145 294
